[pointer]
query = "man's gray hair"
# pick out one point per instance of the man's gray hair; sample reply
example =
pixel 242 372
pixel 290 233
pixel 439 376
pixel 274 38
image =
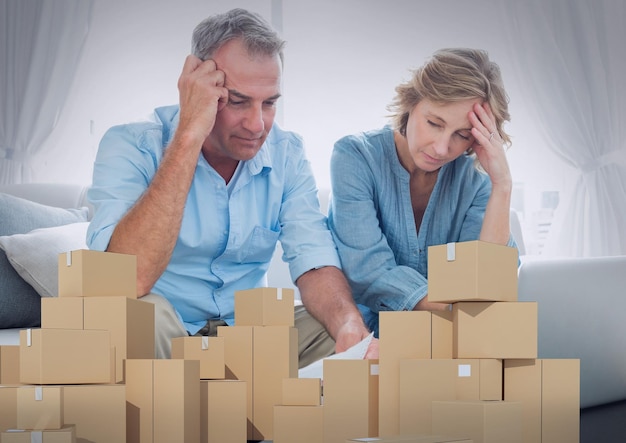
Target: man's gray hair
pixel 256 33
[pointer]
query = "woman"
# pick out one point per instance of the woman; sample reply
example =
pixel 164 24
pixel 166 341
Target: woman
pixel 437 174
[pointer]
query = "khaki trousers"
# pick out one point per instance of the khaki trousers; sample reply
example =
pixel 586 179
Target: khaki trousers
pixel 314 342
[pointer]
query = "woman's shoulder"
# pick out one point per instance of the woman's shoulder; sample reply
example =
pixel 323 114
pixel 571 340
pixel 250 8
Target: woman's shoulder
pixel 372 143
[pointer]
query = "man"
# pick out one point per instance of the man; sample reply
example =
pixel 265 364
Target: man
pixel 201 195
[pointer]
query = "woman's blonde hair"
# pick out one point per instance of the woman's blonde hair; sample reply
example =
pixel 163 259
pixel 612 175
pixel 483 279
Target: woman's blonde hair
pixel 450 75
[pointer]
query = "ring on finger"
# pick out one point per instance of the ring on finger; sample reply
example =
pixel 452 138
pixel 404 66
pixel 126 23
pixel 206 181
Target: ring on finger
pixel 491 135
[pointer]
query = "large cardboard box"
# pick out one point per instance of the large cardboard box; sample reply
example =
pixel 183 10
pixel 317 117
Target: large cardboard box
pixel 264 307
pixel 209 351
pixel 223 411
pixel 275 354
pixel 65 356
pixel 97 411
pixel 9 364
pixel 472 271
pixel 163 401
pixel 66 434
pixel 549 391
pixel 494 330
pixel 481 421
pixel 87 273
pixel 8 407
pixel 62 313
pixel 423 381
pixel 238 360
pixel 301 424
pixel 350 399
pixel 130 323
pixel 302 392
pixel 394 328
pixel 40 407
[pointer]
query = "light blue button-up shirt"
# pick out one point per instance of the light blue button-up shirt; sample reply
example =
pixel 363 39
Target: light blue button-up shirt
pixel 383 256
pixel 229 232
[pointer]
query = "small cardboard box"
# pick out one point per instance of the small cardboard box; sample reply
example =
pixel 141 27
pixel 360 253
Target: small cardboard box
pixel 163 401
pixel 130 323
pixel 223 411
pixel 275 357
pixel 238 360
pixel 62 313
pixel 494 330
pixel 86 273
pixel 65 356
pixel 66 434
pixel 481 421
pixel 302 424
pixel 549 391
pixel 40 407
pixel 395 327
pixel 208 350
pixel 472 271
pixel 98 411
pixel 302 392
pixel 423 381
pixel 350 399
pixel 264 307
pixel 9 365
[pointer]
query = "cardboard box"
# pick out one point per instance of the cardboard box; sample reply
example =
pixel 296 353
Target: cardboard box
pixel 40 407
pixel 275 354
pixel 302 424
pixel 264 307
pixel 394 328
pixel 223 411
pixel 441 334
pixel 350 399
pixel 423 381
pixel 8 407
pixel 302 392
pixel 62 313
pixel 65 356
pixel 549 391
pixel 494 330
pixel 163 401
pixel 238 360
pixel 209 351
pixel 130 323
pixel 472 271
pixel 67 434
pixel 413 439
pixel 481 421
pixel 87 273
pixel 9 364
pixel 97 411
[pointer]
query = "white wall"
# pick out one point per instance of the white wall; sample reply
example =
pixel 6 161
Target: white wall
pixel 343 60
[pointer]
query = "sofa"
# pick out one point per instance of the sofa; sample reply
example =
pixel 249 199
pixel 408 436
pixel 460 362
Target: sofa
pixel 581 300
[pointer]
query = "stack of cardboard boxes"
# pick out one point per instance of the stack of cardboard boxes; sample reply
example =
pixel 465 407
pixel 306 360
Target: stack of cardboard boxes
pixel 470 374
pixel 74 363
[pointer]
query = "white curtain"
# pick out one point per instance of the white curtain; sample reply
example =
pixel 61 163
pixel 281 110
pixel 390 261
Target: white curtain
pixel 40 46
pixel 570 58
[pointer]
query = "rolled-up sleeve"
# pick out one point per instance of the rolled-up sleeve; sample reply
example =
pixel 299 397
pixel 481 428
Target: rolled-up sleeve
pixel 304 235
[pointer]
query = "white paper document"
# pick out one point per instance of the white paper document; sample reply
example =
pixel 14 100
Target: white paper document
pixel 356 352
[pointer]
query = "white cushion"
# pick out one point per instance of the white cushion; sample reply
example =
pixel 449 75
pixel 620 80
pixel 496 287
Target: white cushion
pixel 35 255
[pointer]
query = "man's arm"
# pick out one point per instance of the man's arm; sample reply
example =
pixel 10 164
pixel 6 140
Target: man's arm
pixel 150 228
pixel 327 297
